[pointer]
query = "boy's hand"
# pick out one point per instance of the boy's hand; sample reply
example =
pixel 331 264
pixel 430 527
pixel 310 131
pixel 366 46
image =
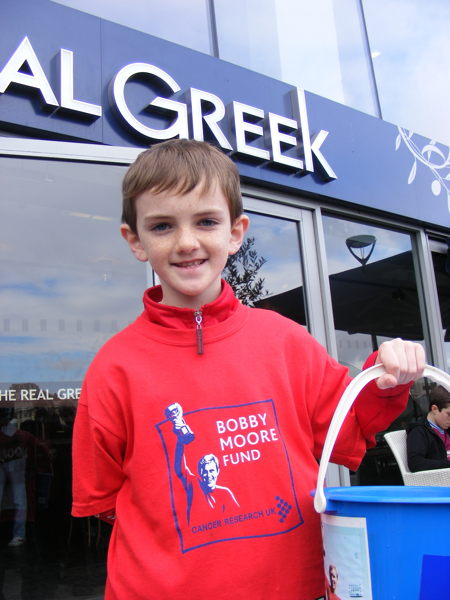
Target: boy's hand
pixel 404 362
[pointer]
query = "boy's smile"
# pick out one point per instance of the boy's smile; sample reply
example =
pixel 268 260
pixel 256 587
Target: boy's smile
pixel 187 240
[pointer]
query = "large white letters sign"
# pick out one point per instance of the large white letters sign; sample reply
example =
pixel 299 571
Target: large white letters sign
pixel 263 136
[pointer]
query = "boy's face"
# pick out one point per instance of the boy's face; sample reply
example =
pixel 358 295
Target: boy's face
pixel 187 240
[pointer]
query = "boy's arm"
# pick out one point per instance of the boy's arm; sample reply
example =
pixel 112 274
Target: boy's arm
pixel 382 400
pixel 97 467
pixel 375 407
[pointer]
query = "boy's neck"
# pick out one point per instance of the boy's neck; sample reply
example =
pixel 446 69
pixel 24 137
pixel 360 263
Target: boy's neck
pixel 195 302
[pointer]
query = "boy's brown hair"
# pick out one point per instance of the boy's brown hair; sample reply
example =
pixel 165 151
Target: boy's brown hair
pixel 179 166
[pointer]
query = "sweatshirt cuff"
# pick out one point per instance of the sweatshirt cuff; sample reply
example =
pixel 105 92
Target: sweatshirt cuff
pixel 398 390
pixel 376 409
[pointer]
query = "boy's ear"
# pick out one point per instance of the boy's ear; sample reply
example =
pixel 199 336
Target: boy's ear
pixel 238 231
pixel 133 242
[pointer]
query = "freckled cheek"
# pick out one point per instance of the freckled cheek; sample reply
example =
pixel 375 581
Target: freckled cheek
pixel 158 248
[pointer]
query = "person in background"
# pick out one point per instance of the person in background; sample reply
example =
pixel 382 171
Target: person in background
pixel 13 460
pixel 428 441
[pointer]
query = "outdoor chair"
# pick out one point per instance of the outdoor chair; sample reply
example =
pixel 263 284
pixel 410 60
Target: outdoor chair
pixel 436 477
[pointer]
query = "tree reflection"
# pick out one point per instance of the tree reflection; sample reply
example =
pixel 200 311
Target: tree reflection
pixel 242 270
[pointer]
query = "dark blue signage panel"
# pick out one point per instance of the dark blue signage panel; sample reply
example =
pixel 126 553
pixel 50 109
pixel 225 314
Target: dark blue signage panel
pixel 68 75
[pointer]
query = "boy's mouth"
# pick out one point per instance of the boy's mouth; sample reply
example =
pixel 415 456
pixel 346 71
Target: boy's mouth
pixel 189 264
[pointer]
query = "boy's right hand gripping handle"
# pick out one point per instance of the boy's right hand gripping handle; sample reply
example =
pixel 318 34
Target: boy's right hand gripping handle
pixel 345 403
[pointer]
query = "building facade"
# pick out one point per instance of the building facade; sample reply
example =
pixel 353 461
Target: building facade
pixel 338 124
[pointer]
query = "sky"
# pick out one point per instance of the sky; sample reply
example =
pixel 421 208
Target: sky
pixel 321 47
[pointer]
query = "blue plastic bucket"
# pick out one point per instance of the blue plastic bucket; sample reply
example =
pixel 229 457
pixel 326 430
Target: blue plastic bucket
pixel 383 542
pixel 388 542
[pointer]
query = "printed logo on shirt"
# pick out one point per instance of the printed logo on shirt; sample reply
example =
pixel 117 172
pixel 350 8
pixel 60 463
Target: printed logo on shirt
pixel 217 460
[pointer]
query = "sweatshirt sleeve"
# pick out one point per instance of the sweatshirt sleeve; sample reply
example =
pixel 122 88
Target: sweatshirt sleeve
pixel 97 456
pixel 376 409
pixel 373 411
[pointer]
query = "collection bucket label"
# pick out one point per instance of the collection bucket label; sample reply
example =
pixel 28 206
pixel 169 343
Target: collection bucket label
pixel 346 557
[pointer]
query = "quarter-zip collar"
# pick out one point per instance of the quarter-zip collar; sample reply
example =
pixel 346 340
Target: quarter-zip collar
pixel 185 318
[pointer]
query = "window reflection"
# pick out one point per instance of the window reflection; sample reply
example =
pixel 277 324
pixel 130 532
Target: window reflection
pixel 67 283
pixel 67 280
pixel 410 45
pixel 441 263
pixel 190 27
pixel 318 46
pixel 374 298
pixel 267 273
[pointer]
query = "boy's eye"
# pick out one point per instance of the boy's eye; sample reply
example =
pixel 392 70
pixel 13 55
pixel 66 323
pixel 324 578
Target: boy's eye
pixel 208 222
pixel 160 227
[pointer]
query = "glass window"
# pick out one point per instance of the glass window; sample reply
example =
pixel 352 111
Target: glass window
pixel 267 274
pixel 374 296
pixel 178 21
pixel 373 287
pixel 67 283
pixel 318 46
pixel 410 46
pixel 441 263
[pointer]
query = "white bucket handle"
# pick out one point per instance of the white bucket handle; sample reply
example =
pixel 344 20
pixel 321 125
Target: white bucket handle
pixel 345 403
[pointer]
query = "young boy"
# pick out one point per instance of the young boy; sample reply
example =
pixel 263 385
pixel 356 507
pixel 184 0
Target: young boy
pixel 428 441
pixel 200 425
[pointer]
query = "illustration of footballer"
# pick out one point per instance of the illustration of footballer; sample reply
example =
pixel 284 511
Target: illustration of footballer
pixel 202 490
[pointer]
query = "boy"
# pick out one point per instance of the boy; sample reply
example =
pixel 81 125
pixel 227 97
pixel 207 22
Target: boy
pixel 428 441
pixel 200 425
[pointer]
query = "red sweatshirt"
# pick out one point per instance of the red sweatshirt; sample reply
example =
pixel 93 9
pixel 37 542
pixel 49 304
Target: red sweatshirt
pixel 208 460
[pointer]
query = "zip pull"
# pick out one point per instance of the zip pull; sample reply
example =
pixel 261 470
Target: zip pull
pixel 199 330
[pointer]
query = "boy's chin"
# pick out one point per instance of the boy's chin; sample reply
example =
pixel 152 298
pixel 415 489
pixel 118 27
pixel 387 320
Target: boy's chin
pixel 191 296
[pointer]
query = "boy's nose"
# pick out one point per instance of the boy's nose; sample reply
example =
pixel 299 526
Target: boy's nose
pixel 187 240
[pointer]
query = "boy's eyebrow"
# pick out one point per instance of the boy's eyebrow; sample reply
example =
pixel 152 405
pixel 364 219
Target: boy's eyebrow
pixel 156 217
pixel 209 211
pixel 201 213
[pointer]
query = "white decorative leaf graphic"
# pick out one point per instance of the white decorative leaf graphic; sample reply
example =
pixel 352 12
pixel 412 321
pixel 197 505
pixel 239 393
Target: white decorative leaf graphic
pixel 436 187
pixel 412 173
pixel 433 157
pixel 430 148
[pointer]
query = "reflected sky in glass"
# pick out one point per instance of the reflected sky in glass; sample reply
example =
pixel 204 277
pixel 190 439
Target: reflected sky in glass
pixel 319 46
pixel 388 243
pixel 353 348
pixel 410 43
pixel 282 271
pixel 180 21
pixel 314 45
pixel 67 279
